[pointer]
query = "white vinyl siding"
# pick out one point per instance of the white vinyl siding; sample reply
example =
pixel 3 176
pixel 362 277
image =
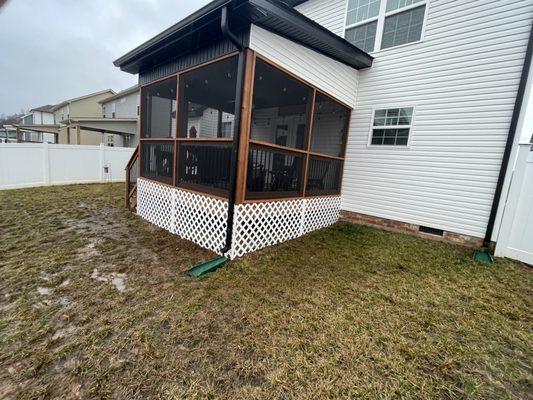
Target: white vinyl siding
pixel 462 80
pixel 331 14
pixel 334 78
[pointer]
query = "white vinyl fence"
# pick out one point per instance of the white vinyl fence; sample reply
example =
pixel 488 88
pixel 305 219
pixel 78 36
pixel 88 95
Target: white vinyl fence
pixel 38 164
pixel 516 232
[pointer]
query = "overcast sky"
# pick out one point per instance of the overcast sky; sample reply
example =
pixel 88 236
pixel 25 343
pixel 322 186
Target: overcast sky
pixel 53 50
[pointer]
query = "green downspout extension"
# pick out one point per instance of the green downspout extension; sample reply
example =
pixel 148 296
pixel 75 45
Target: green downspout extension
pixel 206 267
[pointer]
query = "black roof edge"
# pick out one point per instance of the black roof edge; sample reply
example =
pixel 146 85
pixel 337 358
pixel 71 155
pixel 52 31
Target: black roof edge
pixel 318 31
pixel 293 3
pixel 167 33
pixel 351 55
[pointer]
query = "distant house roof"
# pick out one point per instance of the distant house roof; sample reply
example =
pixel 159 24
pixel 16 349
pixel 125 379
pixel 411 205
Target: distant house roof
pixel 64 103
pixel 276 16
pixel 46 108
pixel 121 94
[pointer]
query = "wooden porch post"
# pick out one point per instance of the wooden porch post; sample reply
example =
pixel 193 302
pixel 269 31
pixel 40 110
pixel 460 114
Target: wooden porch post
pixel 246 117
pixel 19 138
pixel 78 134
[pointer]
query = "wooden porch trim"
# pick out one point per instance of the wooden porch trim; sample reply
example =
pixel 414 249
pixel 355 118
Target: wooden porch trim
pixel 246 120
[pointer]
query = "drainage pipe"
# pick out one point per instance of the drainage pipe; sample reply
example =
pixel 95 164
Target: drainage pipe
pixel 509 144
pixel 236 127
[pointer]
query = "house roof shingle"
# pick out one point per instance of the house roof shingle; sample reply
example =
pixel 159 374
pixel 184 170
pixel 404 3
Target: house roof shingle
pixel 46 108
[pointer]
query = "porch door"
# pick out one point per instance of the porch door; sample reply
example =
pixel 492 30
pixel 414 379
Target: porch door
pixel 516 233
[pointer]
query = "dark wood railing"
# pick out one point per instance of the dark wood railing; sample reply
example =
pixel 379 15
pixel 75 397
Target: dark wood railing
pixel 132 169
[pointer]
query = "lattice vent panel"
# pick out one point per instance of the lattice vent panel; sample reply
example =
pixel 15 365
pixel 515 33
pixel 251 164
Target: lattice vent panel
pixel 156 203
pixel 258 225
pixel 200 219
pixel 321 212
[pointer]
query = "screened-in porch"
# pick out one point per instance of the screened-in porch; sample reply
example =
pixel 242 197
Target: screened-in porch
pixel 244 115
pixel 292 135
pixel 290 145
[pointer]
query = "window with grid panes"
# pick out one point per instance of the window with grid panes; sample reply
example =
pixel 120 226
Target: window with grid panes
pixel 373 25
pixel 391 126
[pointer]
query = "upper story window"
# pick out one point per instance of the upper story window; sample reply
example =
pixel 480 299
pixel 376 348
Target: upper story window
pixel 374 25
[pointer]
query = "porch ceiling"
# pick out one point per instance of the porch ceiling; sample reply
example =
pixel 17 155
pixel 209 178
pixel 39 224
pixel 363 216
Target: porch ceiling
pixel 203 27
pixel 121 126
pixel 54 129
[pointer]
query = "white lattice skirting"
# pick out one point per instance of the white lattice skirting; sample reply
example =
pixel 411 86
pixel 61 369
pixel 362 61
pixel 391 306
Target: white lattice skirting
pixel 202 219
pixel 258 225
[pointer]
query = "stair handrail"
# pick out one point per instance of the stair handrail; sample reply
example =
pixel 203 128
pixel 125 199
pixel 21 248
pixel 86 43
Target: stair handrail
pixel 129 188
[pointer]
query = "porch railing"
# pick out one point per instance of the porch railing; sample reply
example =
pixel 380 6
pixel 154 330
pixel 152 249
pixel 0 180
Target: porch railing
pixel 131 180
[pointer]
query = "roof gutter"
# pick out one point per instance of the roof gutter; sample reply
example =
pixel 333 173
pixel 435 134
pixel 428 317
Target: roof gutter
pixel 224 25
pixel 509 145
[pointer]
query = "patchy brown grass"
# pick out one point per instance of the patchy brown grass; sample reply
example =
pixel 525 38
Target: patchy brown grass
pixel 94 303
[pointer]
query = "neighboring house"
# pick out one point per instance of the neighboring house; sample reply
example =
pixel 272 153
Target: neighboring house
pixel 39 116
pixel 39 125
pixel 396 113
pixel 8 134
pixel 122 110
pixel 11 134
pixel 87 106
pixel 84 120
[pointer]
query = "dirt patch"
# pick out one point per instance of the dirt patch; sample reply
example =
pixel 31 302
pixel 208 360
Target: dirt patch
pixel 64 332
pixel 116 279
pixel 43 291
pixel 89 250
pixel 8 389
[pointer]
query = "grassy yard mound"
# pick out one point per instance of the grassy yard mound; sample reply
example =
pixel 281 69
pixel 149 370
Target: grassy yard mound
pixel 94 303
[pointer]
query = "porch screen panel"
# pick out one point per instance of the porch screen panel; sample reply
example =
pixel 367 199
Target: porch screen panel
pixel 281 108
pixel 323 176
pixel 273 173
pixel 207 101
pixel 204 166
pixel 158 109
pixel 157 161
pixel 330 126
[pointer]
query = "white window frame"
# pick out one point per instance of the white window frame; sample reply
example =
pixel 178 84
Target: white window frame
pixel 372 127
pixel 380 18
pixel 110 140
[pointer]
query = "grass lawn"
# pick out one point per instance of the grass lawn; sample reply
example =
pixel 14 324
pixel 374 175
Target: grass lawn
pixel 94 303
